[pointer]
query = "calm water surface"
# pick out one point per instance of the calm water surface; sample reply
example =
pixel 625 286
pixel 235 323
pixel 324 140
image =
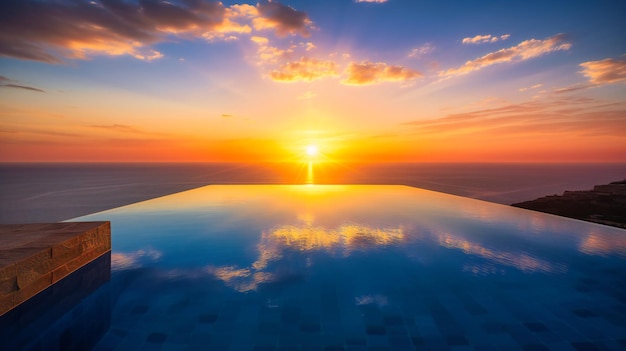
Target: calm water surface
pixel 330 267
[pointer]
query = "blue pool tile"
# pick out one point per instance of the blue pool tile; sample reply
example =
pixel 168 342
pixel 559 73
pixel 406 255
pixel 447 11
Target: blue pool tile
pixel 207 318
pixel 584 313
pixel 140 309
pixel 156 337
pixel 310 327
pixel 549 338
pixel 288 348
pixel 588 346
pixel 400 342
pixel 377 341
pixel 457 340
pixel 535 347
pixel 376 330
pixel 536 327
pixel 494 328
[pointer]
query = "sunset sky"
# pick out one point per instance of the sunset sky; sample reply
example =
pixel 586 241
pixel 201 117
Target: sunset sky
pixel 363 80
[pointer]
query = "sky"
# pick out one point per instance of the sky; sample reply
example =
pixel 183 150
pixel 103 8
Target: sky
pixel 362 80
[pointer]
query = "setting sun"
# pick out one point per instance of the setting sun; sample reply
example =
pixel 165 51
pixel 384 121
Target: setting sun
pixel 312 151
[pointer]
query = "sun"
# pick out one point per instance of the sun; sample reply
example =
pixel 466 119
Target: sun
pixel 311 150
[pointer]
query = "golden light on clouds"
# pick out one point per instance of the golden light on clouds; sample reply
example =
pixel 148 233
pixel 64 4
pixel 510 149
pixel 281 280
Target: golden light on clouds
pixel 365 73
pixel 605 71
pixel 305 69
pixel 525 50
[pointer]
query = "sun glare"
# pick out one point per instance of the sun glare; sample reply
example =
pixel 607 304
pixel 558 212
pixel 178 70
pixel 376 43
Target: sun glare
pixel 311 150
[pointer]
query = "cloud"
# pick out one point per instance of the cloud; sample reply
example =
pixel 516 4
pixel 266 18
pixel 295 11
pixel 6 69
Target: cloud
pixel 605 71
pixel 133 260
pixel 372 1
pixel 4 79
pixel 521 52
pixel 306 69
pixel 118 128
pixel 421 51
pixel 268 54
pixel 550 117
pixel 50 31
pixel 366 72
pixel 22 87
pixel 536 86
pixel 285 20
pixel 488 38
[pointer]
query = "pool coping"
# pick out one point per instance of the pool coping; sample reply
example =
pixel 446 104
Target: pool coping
pixel 35 256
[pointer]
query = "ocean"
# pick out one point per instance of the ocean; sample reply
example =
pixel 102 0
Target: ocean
pixel 48 192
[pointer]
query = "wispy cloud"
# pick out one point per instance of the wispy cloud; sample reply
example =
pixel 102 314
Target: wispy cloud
pixel 17 86
pixel 525 50
pixel 605 71
pixel 305 69
pixel 9 84
pixel 365 73
pixel 372 1
pixel 571 115
pixel 536 86
pixel 487 38
pixel 421 50
pixel 122 128
pixel 50 31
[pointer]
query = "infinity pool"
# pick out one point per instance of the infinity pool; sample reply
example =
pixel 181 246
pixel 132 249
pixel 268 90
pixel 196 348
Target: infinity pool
pixel 331 267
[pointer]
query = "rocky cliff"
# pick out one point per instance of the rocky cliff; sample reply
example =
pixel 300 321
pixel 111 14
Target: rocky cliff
pixel 605 204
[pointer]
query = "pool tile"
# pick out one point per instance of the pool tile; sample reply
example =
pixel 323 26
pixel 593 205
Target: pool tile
pixel 535 347
pixel 398 342
pixel 536 327
pixel 310 327
pixel 456 340
pixel 207 318
pixel 156 337
pixel 588 346
pixel 376 330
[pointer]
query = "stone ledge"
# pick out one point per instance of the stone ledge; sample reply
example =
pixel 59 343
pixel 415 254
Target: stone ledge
pixel 35 256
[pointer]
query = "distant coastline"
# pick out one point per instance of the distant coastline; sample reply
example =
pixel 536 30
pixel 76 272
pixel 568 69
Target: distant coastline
pixel 604 204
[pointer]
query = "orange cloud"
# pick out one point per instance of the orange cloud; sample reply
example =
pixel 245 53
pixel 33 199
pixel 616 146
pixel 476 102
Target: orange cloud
pixel 306 69
pixel 605 71
pixel 523 51
pixel 488 38
pixel 366 72
pixel 269 54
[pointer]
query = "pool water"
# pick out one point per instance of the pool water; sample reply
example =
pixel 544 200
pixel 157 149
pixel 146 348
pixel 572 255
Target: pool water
pixel 332 267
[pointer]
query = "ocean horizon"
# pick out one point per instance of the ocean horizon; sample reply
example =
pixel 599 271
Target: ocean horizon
pixel 48 192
